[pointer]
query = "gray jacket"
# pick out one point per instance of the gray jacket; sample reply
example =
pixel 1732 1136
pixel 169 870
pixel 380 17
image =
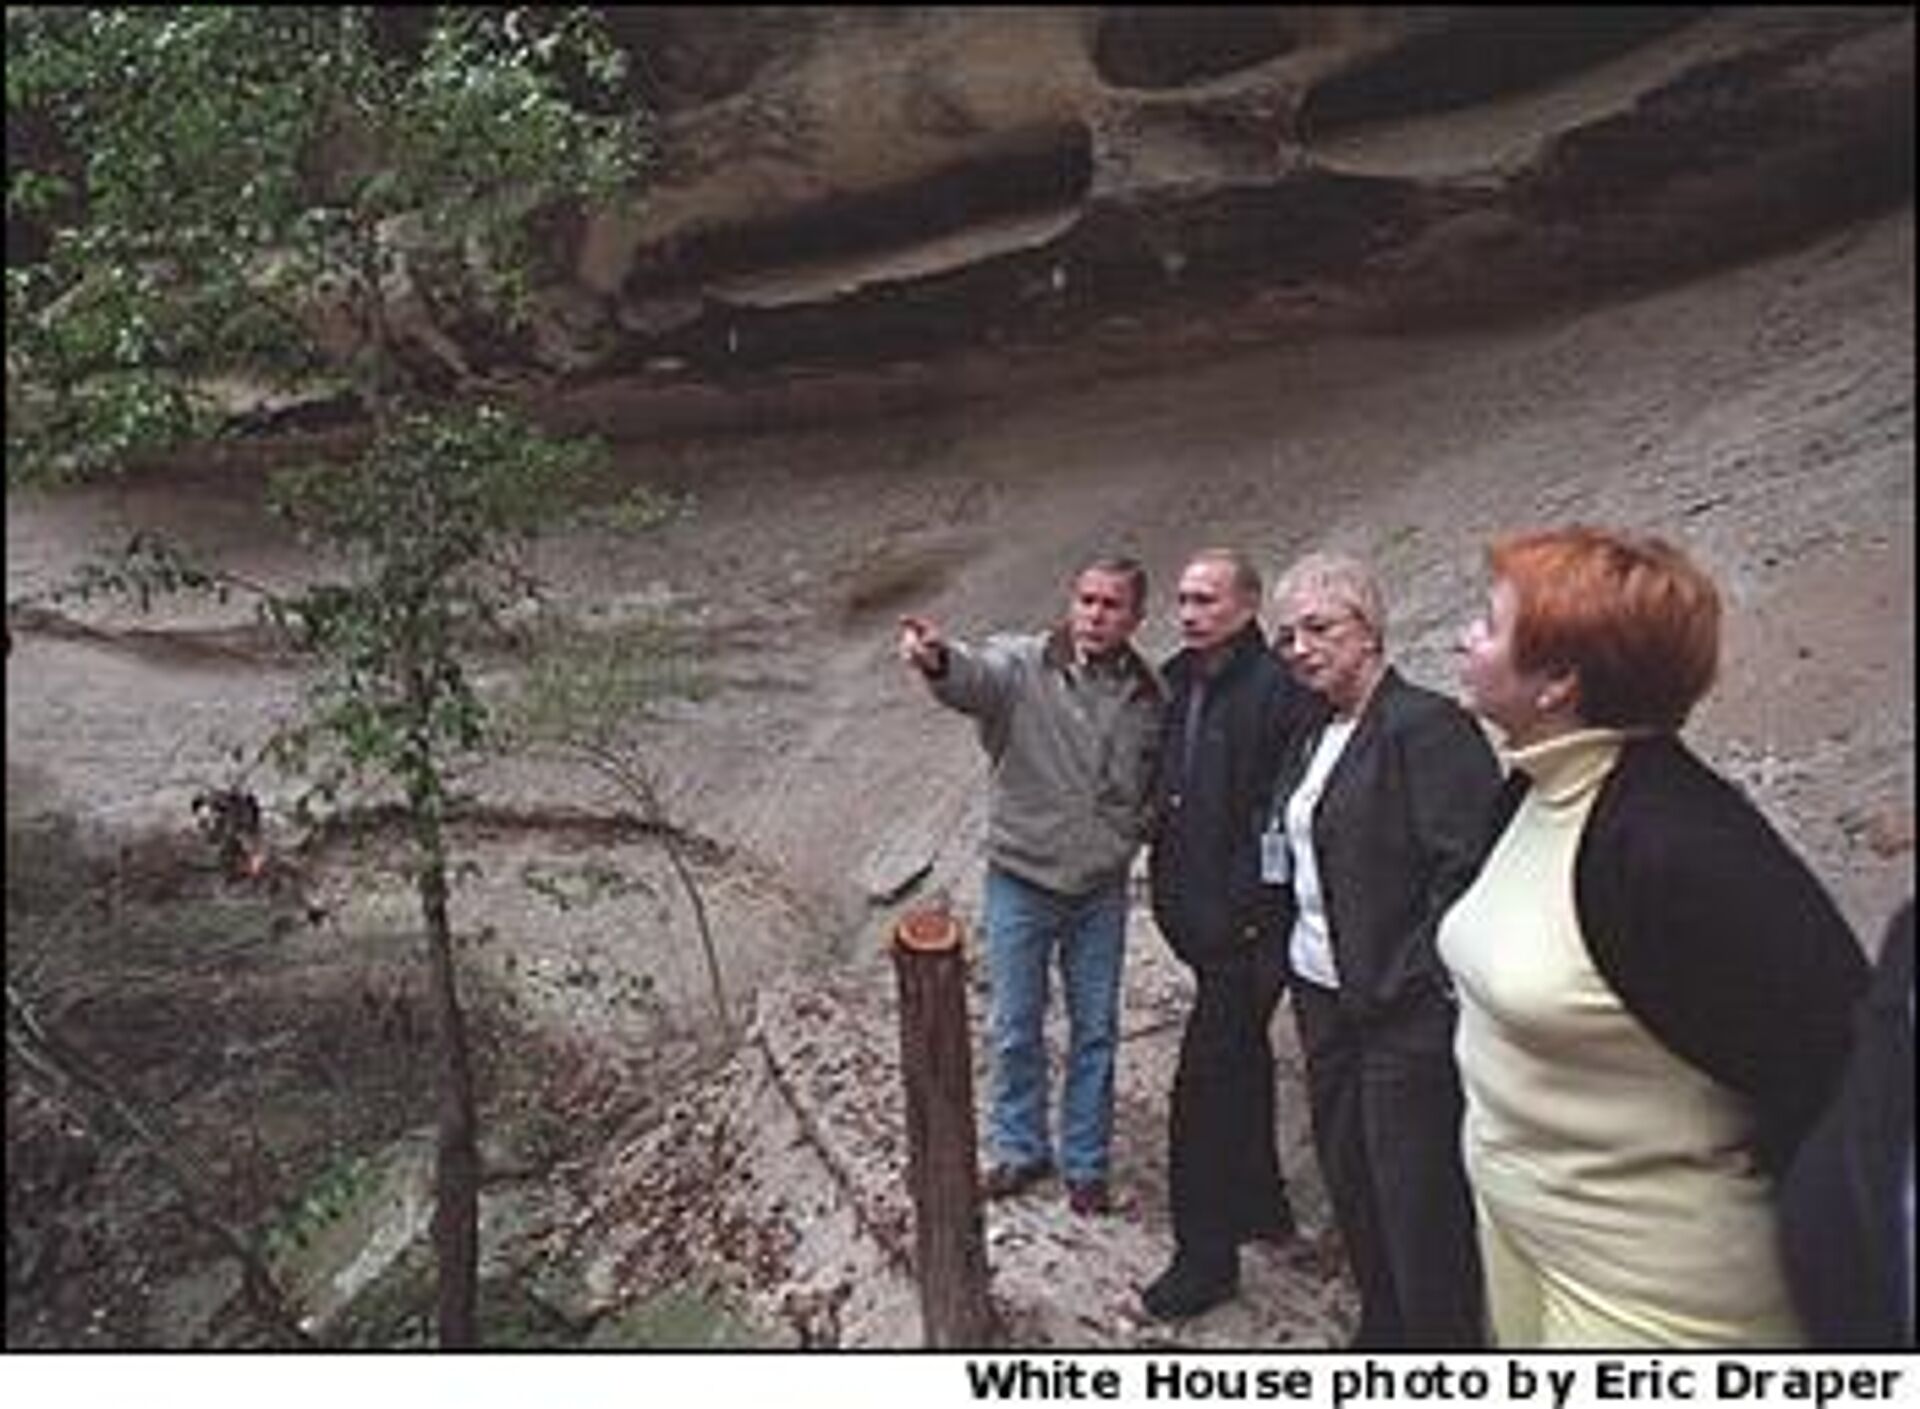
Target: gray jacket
pixel 1072 751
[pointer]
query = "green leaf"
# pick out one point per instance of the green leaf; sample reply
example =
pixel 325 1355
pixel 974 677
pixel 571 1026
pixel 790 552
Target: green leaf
pixel 201 184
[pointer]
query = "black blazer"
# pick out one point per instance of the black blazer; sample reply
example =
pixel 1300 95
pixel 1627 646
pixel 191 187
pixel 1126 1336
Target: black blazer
pixel 1714 934
pixel 1399 833
pixel 1844 1235
pixel 1204 862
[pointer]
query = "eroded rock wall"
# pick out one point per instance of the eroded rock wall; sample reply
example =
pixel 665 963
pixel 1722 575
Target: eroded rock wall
pixel 842 186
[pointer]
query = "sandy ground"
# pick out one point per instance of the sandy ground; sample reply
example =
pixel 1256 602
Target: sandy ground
pixel 1763 417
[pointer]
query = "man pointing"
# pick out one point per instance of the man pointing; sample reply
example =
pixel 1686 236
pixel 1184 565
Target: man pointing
pixel 1069 720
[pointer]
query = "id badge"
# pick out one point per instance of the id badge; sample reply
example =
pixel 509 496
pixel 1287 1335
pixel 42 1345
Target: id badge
pixel 1276 857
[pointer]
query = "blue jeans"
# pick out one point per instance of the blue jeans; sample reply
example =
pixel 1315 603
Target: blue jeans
pixel 1026 925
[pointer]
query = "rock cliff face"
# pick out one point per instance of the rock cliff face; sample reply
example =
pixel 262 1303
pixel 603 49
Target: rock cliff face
pixel 838 187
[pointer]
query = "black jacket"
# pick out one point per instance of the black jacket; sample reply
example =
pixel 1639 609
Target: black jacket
pixel 1399 832
pixel 1844 1235
pixel 1204 862
pixel 1714 934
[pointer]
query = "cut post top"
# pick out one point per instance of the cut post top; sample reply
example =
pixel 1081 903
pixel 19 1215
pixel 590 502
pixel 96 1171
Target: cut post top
pixel 927 931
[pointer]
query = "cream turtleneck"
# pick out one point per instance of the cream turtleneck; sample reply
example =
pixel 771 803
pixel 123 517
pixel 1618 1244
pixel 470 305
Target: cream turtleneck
pixel 1620 1173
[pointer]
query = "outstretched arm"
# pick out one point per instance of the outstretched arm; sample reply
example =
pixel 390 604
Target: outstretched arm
pixel 976 682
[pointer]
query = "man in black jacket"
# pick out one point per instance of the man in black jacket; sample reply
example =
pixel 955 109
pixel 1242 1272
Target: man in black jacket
pixel 1846 1203
pixel 1231 707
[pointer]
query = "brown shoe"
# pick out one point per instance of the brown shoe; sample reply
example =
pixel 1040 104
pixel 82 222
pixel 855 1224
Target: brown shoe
pixel 1003 1181
pixel 1089 1197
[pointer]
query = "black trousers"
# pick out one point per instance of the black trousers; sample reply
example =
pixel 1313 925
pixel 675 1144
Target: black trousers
pixel 1386 1108
pixel 1223 1171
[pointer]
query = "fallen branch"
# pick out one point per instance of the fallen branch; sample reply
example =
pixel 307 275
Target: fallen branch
pixel 895 1251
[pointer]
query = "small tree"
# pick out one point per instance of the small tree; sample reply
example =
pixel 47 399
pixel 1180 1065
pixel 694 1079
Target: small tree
pixel 199 195
pixel 578 702
pixel 429 518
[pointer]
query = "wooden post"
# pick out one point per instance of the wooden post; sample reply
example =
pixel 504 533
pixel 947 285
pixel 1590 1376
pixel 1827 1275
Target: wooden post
pixel 936 1060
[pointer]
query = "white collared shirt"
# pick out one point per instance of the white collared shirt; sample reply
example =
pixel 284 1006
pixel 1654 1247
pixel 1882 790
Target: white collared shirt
pixel 1311 946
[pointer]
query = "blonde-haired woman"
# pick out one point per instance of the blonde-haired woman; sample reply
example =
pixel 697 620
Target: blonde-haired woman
pixel 1378 819
pixel 1655 991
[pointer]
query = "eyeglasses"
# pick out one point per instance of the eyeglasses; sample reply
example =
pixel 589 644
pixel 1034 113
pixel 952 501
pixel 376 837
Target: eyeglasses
pixel 1310 628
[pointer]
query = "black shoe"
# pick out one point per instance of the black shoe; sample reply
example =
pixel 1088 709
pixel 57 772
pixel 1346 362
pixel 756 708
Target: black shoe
pixel 1003 1181
pixel 1185 1290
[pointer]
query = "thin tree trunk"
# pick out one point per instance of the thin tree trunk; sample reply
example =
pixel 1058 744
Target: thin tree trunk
pixel 456 1209
pixel 456 1213
pixel 634 781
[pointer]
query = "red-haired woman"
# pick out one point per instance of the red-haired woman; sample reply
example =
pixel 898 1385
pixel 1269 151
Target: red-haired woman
pixel 1655 992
